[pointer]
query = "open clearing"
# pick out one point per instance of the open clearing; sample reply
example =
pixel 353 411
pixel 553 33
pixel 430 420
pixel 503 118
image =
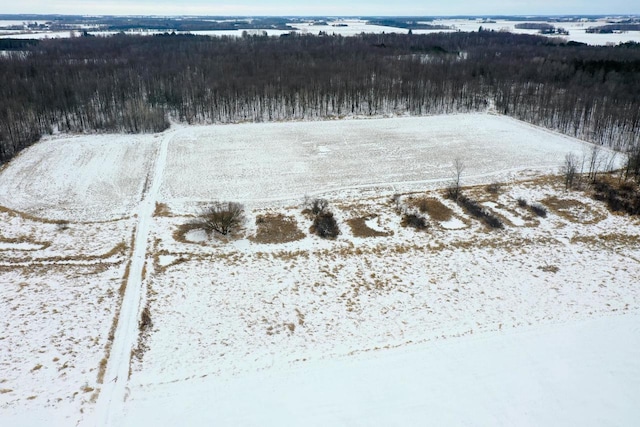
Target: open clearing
pixel 384 324
pixel 103 177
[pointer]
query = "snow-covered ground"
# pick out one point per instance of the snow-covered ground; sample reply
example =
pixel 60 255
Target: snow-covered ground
pixel 534 324
pixel 577 30
pixel 583 373
pixel 351 27
pixel 102 177
pixel 97 177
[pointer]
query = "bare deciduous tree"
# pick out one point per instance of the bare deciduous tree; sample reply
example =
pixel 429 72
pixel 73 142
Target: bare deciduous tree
pixel 569 170
pixel 594 161
pixel 221 217
pixel 458 168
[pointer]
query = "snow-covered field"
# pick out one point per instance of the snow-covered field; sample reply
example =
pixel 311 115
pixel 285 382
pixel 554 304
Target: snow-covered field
pixel 535 324
pixel 577 30
pixel 351 27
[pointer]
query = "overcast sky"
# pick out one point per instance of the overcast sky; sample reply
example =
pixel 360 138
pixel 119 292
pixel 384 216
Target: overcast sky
pixel 323 7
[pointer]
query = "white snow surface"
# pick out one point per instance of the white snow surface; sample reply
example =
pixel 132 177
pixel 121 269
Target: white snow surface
pixel 583 373
pixel 295 159
pixel 91 178
pixel 352 27
pixel 535 324
pixel 103 177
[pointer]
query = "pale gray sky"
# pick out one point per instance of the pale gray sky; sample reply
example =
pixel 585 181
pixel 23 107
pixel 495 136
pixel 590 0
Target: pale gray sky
pixel 326 7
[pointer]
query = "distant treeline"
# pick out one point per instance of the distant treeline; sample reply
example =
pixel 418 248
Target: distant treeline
pixel 542 27
pixel 612 28
pixel 173 24
pixel 410 24
pixel 134 84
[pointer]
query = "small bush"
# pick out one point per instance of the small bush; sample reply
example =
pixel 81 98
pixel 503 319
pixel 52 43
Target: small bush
pixel 316 206
pixel 477 210
pixel 453 192
pixel 494 188
pixel 622 198
pixel 522 202
pixel 539 210
pixel 221 217
pixel 415 221
pixel 325 226
pixel 145 319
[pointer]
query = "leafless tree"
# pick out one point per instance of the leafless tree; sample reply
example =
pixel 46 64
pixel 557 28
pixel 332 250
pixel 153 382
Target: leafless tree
pixel 594 161
pixel 570 170
pixel 458 168
pixel 221 217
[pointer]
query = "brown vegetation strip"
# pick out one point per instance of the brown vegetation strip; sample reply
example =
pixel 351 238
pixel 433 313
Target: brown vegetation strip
pixel 573 210
pixel 276 228
pixel 359 228
pixel 434 208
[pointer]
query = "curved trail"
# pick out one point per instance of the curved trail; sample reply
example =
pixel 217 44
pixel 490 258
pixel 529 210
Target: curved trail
pixel 114 390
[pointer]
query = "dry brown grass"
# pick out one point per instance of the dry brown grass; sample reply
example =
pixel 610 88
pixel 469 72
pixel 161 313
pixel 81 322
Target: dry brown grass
pixel 162 210
pixel 27 216
pixel 432 207
pixel 118 249
pixel 179 234
pixel 573 210
pixel 608 239
pixel 549 268
pixel 102 367
pixel 359 228
pixel 276 228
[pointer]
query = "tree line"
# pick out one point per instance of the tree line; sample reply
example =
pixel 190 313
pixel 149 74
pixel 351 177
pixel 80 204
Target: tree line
pixel 136 83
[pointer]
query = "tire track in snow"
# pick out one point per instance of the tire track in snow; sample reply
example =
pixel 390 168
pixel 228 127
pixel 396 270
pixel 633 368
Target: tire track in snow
pixel 115 387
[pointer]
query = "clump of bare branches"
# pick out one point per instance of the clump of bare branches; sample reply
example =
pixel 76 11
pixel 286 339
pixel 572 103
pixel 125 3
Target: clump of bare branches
pixel 453 191
pixel 324 223
pixel 221 217
pixel 415 221
pixel 621 197
pixel 539 210
pixel 477 210
pixel 494 188
pixel 569 170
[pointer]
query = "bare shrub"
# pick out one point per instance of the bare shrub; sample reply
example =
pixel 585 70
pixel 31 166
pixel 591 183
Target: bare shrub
pixel 632 168
pixel 325 226
pixel 221 217
pixel 569 170
pixel 494 188
pixel 477 210
pixel 624 197
pixel 539 210
pixel 415 221
pixel 145 319
pixel 316 206
pixel 454 188
pixel 522 202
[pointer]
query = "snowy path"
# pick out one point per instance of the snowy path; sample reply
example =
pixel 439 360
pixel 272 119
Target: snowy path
pixel 115 388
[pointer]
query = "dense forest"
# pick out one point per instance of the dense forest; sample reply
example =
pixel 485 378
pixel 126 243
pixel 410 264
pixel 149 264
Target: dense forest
pixel 137 84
